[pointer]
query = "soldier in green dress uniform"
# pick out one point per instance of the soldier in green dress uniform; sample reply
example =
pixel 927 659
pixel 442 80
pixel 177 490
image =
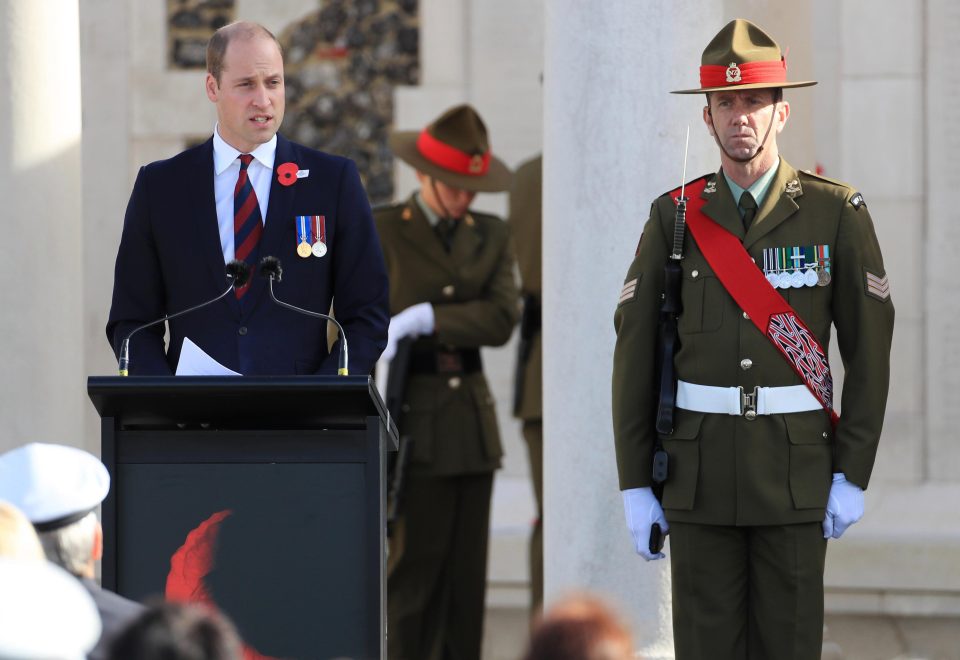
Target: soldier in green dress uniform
pixel 525 227
pixel 452 289
pixel 759 478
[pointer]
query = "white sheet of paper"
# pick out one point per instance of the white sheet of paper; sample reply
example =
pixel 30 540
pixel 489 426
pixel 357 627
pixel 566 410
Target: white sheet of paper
pixel 195 362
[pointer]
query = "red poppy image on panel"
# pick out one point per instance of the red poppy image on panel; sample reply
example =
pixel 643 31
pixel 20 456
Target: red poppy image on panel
pixel 192 562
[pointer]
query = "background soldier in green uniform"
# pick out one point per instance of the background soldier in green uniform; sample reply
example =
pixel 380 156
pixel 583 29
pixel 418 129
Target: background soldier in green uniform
pixel 452 288
pixel 753 491
pixel 525 227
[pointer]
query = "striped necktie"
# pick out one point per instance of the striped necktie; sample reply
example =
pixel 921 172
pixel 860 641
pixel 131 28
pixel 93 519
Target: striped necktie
pixel 247 222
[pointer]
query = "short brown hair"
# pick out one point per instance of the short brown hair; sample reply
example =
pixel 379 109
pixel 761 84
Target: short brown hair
pixel 580 627
pixel 217 46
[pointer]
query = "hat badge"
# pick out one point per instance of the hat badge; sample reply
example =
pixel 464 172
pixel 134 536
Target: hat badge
pixel 476 164
pixel 733 73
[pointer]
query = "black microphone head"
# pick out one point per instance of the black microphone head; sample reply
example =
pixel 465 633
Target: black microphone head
pixel 238 272
pixel 271 269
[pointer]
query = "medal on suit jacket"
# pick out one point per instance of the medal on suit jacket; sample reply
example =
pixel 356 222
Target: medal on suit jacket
pixel 303 236
pixel 320 231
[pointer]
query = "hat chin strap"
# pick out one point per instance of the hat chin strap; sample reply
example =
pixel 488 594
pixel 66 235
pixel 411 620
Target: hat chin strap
pixel 436 196
pixel 763 143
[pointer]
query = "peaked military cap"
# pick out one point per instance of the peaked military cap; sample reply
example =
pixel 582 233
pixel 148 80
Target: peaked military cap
pixel 454 149
pixel 742 56
pixel 54 485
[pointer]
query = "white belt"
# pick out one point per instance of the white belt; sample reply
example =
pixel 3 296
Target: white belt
pixel 735 401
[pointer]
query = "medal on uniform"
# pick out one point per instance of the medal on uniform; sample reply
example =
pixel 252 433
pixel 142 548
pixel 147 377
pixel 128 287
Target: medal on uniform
pixel 823 252
pixel 809 274
pixel 784 276
pixel 768 267
pixel 320 231
pixel 303 236
pixel 796 277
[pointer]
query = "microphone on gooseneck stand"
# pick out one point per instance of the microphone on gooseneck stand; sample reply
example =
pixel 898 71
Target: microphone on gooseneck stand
pixel 238 274
pixel 271 269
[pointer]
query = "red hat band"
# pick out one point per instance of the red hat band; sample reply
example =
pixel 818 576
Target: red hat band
pixel 748 73
pixel 450 158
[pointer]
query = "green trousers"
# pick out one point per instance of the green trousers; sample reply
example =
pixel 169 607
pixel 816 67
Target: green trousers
pixel 533 434
pixel 747 592
pixel 438 569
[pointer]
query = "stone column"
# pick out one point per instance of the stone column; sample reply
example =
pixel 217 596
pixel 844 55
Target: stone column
pixel 42 388
pixel 107 175
pixel 613 141
pixel 936 279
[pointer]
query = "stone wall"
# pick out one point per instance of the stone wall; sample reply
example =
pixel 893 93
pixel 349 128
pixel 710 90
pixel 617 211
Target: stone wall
pixel 190 23
pixel 342 65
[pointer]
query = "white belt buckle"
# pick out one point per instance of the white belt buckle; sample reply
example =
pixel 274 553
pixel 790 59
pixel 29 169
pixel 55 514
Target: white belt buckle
pixel 748 403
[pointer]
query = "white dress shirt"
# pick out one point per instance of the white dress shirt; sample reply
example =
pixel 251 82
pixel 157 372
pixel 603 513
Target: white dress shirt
pixel 226 169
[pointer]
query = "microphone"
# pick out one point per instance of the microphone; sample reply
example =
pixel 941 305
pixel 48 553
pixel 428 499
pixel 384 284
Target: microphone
pixel 238 274
pixel 271 269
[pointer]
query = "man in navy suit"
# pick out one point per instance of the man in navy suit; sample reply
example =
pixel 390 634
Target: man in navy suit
pixel 247 193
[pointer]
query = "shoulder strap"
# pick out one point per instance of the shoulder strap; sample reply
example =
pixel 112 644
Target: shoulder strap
pixel 767 309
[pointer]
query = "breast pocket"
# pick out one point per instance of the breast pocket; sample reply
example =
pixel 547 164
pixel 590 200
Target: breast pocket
pixel 703 298
pixel 812 305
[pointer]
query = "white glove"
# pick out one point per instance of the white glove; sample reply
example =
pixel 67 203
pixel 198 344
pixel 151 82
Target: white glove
pixel 642 510
pixel 412 322
pixel 844 507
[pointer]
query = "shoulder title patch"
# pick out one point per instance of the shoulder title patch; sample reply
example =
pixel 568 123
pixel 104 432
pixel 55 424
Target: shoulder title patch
pixel 857 201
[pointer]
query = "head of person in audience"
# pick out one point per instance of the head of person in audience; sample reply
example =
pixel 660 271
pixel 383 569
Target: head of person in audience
pixel 58 488
pixel 580 627
pixel 45 613
pixel 178 631
pixel 17 538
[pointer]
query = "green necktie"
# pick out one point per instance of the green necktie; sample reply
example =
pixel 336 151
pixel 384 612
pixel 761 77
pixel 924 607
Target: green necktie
pixel 749 208
pixel 445 228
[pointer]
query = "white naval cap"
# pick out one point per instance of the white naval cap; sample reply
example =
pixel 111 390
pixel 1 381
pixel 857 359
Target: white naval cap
pixel 45 613
pixel 54 485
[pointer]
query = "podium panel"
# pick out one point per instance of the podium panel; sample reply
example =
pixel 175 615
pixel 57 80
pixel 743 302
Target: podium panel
pixel 261 497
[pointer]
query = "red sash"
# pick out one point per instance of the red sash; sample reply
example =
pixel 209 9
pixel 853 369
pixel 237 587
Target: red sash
pixel 772 315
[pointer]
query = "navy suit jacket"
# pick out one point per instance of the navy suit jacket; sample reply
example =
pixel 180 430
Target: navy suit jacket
pixel 116 613
pixel 170 259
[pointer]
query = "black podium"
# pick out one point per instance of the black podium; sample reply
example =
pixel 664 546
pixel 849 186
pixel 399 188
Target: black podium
pixel 263 496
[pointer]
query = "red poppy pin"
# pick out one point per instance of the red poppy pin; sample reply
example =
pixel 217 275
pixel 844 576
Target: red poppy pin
pixel 288 173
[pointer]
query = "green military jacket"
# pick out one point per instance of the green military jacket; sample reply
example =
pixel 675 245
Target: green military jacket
pixel 776 469
pixel 526 228
pixel 451 418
